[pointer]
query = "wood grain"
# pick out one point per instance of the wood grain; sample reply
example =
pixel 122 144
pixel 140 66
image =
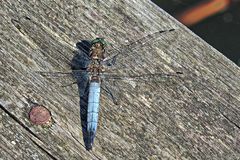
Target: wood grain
pixel 195 116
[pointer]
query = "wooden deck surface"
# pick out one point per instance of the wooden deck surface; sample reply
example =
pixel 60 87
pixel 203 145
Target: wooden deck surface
pixel 195 116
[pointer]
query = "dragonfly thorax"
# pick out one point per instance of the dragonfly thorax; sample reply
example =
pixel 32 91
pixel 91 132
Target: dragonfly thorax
pixel 97 51
pixel 95 69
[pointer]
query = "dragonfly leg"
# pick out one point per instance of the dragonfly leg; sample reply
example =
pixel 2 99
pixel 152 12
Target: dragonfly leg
pixel 70 84
pixel 108 91
pixel 111 61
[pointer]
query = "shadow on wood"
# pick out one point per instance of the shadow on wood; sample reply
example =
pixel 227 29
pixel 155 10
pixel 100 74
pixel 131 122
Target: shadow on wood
pixel 79 66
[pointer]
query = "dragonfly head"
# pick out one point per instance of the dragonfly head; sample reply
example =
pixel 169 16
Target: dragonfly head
pixel 100 41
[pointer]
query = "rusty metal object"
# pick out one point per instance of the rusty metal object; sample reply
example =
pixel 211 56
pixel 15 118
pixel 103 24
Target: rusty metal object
pixel 40 115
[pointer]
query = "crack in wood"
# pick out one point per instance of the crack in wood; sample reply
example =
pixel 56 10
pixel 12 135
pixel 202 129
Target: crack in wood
pixel 228 119
pixel 44 150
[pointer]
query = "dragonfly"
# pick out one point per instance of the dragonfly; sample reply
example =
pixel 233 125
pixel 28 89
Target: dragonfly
pixel 91 66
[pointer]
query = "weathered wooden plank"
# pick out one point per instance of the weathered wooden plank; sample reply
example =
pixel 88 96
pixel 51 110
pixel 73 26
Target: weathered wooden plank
pixel 192 117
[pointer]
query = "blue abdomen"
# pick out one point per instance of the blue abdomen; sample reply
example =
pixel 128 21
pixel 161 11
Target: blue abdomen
pixel 93 109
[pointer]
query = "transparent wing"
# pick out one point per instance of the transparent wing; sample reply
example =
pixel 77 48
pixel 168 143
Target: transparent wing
pixel 121 88
pixel 79 63
pixel 140 77
pixel 57 74
pixel 133 46
pixel 79 77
